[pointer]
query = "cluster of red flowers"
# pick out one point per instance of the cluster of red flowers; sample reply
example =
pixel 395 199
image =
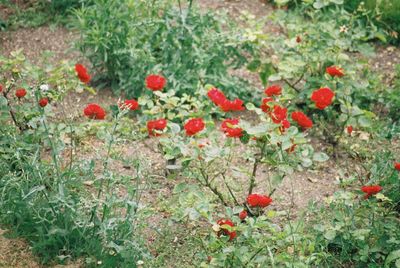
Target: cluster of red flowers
pixel 397 166
pixel 226 227
pixel 20 93
pixel 349 129
pixel 334 71
pixel 322 97
pixel 230 128
pixel 302 120
pixel 194 126
pixel 371 190
pixel 258 200
pixel 274 90
pixel 82 73
pixel 226 105
pixel 155 82
pixel 158 125
pixel 131 104
pixel 43 102
pixel 94 111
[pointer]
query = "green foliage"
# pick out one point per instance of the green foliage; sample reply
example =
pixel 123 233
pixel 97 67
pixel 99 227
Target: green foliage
pixel 50 201
pixel 37 13
pixel 126 41
pixel 384 13
pixel 357 232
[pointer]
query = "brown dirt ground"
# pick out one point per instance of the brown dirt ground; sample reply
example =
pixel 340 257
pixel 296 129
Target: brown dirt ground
pixel 308 185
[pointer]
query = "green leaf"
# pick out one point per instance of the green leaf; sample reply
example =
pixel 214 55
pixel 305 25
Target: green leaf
pixel 320 157
pixel 394 255
pixel 330 234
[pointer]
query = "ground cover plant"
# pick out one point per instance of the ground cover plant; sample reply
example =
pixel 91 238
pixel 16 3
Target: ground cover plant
pixel 226 140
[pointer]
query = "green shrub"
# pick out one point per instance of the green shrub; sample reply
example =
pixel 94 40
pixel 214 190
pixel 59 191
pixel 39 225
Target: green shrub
pixel 126 41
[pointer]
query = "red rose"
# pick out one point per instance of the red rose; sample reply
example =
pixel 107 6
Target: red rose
pixel 243 215
pixel 216 96
pixel 235 105
pixel 229 127
pixel 349 129
pixel 82 73
pixel 334 71
pixel 132 104
pixel 285 125
pixel 371 190
pixel 20 93
pixel 302 120
pixel 159 125
pixel 224 230
pixel 264 106
pixel 322 97
pixel 264 201
pixel 278 114
pixel 94 111
pixel 397 166
pixel 1 88
pixel 274 90
pixel 43 102
pixel 194 126
pixel 258 200
pixel 155 82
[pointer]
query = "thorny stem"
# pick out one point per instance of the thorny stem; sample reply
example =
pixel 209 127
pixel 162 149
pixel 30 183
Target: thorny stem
pixel 253 256
pixel 292 85
pixel 5 94
pixel 255 166
pixel 212 188
pixel 229 189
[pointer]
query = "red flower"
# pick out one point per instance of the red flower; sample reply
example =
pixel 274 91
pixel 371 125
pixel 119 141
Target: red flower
pixel 274 90
pixel 43 102
pixel 235 105
pixel 298 39
pixel 20 93
pixel 243 215
pixel 397 166
pixel 132 104
pixel 155 82
pixel 216 96
pixel 94 111
pixel 1 88
pixel 302 120
pixel 285 125
pixel 264 106
pixel 322 97
pixel 194 126
pixel 224 229
pixel 278 114
pixel 229 127
pixel 371 190
pixel 158 125
pixel 258 200
pixel 335 71
pixel 349 129
pixel 82 73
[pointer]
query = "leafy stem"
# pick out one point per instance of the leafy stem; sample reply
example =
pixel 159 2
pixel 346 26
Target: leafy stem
pixel 255 167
